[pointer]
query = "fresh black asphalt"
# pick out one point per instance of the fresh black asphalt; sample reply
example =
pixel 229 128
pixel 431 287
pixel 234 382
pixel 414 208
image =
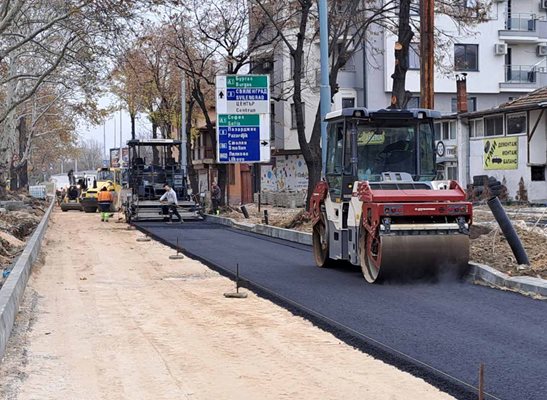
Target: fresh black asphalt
pixel 450 326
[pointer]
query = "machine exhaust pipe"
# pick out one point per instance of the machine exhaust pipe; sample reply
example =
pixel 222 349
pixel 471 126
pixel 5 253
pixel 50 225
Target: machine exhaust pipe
pixel 508 231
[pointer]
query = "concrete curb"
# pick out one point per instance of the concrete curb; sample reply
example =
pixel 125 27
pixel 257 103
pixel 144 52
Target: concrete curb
pixel 11 293
pixel 478 273
pixel 266 230
pixel 526 285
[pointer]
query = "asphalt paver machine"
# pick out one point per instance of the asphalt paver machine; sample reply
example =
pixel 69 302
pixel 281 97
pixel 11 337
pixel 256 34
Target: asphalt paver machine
pixel 153 163
pixel 380 206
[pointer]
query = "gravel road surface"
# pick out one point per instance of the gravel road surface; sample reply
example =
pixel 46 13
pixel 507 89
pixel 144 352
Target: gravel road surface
pixel 107 317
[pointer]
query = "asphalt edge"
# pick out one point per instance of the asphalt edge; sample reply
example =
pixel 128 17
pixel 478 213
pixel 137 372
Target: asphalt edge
pixel 431 376
pixel 290 235
pixel 12 292
pixel 479 274
pixel 526 285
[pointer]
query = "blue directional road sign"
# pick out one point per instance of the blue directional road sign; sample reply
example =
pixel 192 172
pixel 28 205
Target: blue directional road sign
pixel 243 138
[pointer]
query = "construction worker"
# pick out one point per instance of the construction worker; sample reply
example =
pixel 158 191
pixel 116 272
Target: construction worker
pixel 169 199
pixel 105 199
pixel 216 195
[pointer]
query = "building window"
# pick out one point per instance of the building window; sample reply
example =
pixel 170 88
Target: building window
pixel 466 57
pixel 476 128
pixel 293 115
pixel 445 130
pixel 438 130
pixel 493 125
pixel 348 102
pixel 538 173
pixel 452 171
pixel 471 104
pixel 516 123
pixel 414 102
pixel 414 56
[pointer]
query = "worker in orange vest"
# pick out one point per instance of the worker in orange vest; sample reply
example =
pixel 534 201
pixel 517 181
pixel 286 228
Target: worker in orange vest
pixel 105 199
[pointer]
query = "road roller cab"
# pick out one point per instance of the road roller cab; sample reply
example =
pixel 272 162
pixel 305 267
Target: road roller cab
pixel 106 177
pixel 380 206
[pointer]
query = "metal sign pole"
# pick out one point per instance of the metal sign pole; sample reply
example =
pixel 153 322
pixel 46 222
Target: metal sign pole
pixel 325 86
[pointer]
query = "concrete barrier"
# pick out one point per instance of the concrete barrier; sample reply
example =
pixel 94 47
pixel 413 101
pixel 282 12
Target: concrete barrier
pixel 266 230
pixel 527 285
pixel 11 293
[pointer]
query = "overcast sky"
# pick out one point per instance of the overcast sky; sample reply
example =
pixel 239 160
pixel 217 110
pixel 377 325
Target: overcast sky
pixel 112 125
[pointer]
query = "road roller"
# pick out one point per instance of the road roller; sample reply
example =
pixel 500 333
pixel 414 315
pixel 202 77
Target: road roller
pixel 380 206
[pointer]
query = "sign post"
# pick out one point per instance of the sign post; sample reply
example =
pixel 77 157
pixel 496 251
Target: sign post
pixel 243 118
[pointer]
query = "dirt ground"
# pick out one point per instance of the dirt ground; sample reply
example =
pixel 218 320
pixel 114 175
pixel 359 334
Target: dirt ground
pixel 16 226
pixel 289 218
pixel 488 245
pixel 107 317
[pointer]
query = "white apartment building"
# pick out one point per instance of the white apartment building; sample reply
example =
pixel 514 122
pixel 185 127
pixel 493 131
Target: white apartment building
pixel 503 57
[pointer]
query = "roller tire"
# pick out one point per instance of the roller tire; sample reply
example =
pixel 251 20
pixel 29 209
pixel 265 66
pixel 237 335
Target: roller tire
pixel 320 243
pixel 366 260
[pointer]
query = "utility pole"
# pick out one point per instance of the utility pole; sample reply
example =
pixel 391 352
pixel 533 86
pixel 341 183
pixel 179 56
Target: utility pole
pixel 427 64
pixel 104 140
pixel 115 133
pixel 325 86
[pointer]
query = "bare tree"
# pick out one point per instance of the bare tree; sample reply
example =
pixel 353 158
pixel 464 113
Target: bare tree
pixel 216 38
pixel 60 43
pixel 90 155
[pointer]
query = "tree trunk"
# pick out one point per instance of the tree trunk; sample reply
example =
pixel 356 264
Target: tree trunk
pixel 192 174
pixel 399 95
pixel 133 118
pixel 8 135
pixel 19 170
pixel 155 151
pixel 308 151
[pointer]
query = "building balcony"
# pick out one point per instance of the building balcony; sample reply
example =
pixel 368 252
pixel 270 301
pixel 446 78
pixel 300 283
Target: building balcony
pixel 524 28
pixel 524 77
pixel 203 155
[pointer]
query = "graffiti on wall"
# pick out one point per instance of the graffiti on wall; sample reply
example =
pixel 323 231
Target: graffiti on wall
pixel 289 173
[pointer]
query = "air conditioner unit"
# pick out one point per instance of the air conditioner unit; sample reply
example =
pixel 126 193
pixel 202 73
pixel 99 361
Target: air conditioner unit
pixel 500 49
pixel 542 50
pixel 267 66
pixel 543 4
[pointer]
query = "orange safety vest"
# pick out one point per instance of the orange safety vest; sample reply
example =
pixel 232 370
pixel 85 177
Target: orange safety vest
pixel 105 196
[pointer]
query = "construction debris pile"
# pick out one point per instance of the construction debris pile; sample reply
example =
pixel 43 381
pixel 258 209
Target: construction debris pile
pixel 19 216
pixel 489 246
